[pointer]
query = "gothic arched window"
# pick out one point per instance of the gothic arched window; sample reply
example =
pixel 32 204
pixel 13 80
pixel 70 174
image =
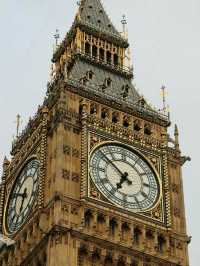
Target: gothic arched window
pixel 125 91
pixel 87 48
pixel 116 60
pixel 101 54
pixel 94 51
pixel 108 57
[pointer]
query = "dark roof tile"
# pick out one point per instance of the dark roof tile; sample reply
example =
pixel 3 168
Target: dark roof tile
pixel 116 88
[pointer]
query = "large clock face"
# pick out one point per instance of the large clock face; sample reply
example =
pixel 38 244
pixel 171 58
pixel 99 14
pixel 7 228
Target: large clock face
pixel 124 177
pixel 22 196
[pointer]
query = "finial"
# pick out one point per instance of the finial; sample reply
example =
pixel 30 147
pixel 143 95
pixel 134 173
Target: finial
pixel 163 93
pixel 176 133
pixel 57 36
pixel 45 110
pixel 176 136
pixel 124 24
pixel 165 107
pixel 5 161
pixel 18 122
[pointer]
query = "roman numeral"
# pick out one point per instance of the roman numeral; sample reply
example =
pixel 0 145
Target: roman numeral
pixel 146 185
pixel 144 194
pixel 137 201
pixel 123 156
pixel 104 180
pixel 113 191
pixel 125 198
pixel 111 153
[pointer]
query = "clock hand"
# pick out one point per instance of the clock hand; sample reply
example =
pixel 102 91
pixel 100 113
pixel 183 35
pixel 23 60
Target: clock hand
pixel 138 203
pixel 123 179
pixel 23 198
pixel 124 176
pixel 114 166
pixel 129 181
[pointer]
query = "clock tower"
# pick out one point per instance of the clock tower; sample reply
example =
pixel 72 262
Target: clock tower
pixel 94 179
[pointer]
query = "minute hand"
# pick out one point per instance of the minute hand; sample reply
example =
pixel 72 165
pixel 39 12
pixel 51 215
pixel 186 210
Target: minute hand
pixel 113 165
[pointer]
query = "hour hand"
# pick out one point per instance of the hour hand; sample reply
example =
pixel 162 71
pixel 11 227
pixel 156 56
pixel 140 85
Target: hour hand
pixel 124 178
pixel 119 185
pixel 129 181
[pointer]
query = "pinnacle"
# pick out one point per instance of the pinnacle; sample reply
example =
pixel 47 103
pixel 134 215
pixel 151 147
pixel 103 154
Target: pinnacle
pixel 6 161
pixel 176 130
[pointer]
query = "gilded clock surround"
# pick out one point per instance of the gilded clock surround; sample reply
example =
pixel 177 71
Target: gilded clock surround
pixel 15 183
pixel 95 140
pixel 71 218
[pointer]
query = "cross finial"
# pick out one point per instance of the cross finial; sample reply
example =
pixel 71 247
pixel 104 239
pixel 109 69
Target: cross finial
pixel 124 24
pixel 57 36
pixel 18 122
pixel 164 93
pixel 124 21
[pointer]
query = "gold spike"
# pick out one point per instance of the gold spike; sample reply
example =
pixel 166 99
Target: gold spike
pixel 164 94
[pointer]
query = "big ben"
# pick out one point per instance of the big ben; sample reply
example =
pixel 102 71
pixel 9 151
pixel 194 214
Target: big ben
pixel 94 179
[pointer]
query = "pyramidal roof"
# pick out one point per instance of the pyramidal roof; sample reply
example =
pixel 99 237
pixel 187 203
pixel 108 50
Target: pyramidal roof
pixel 93 14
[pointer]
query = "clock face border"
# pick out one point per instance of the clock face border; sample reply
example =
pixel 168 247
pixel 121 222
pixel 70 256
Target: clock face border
pixel 12 188
pixel 143 157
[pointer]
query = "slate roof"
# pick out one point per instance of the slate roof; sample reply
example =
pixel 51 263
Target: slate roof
pixel 100 75
pixel 92 13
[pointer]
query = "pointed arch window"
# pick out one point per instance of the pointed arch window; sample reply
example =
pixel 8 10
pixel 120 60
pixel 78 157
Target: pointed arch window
pixel 126 121
pixel 125 91
pixel 104 113
pixel 115 118
pixel 161 243
pixel 89 74
pixel 137 125
pixel 88 218
pixel 83 80
pixel 136 235
pixel 101 54
pixel 113 226
pixel 109 57
pixel 116 59
pixel 94 51
pixel 87 48
pixel 147 129
pixel 108 82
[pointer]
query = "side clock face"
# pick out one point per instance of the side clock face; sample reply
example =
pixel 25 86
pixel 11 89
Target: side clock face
pixel 22 196
pixel 124 177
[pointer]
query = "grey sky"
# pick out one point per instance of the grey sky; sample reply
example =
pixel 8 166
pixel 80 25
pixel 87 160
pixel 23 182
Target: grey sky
pixel 165 41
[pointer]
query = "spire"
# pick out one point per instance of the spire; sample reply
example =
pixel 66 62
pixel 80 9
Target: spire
pixel 92 15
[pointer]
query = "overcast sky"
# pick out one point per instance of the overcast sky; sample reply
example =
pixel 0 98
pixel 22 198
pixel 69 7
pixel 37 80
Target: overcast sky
pixel 165 42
